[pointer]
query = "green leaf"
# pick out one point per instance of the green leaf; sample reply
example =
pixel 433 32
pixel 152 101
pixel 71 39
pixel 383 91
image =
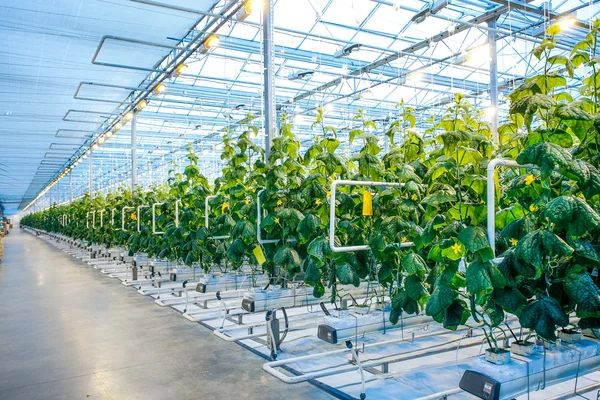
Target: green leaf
pixel 537 244
pixel 571 213
pixel 441 298
pixel 475 240
pixel 307 228
pixel 546 156
pixel 454 315
pixel 318 249
pixel 543 316
pixel 347 275
pixel 589 323
pixel 438 198
pixel 510 299
pixel 287 256
pixel 583 291
pixel 312 275
pixel 414 264
pixel 415 289
pixel 479 282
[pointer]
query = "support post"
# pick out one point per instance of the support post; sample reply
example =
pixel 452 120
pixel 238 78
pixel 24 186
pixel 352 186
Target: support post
pixel 269 77
pixel 91 178
pixel 71 187
pixel 492 37
pixel 133 153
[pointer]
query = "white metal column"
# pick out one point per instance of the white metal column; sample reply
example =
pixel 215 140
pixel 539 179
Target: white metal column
pixel 91 189
pixel 492 37
pixel 71 187
pixel 133 153
pixel 269 77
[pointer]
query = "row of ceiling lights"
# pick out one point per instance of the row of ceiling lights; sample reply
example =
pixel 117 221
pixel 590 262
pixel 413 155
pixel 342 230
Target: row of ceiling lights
pixel 209 44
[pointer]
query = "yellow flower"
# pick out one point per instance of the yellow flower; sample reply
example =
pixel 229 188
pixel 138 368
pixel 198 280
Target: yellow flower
pixel 457 248
pixel 328 194
pixel 133 216
pixel 276 220
pixel 581 196
pixel 279 202
pixel 529 180
pixel 533 208
pixel 404 239
pixel 247 201
pixel 318 202
pixel 414 197
pixel 224 206
pixel 513 241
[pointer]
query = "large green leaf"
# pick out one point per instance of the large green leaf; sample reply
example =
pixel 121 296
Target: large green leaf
pixel 479 282
pixel 546 156
pixel 287 256
pixel 536 245
pixel 543 316
pixel 307 228
pixel 441 298
pixel 415 289
pixel 413 264
pixel 475 240
pixel 581 289
pixel 347 275
pixel 510 299
pixel 571 213
pixel 455 315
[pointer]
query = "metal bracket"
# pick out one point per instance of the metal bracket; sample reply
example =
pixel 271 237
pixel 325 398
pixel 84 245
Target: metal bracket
pixel 154 232
pixel 332 220
pixel 112 216
pixel 123 216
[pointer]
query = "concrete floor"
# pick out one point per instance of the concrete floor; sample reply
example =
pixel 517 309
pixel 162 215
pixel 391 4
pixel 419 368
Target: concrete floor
pixel 66 332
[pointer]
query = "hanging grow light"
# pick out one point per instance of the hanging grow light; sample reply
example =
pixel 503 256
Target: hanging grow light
pixel 245 11
pixel 210 43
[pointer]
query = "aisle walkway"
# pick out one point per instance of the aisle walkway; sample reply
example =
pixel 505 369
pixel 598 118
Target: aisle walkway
pixel 66 332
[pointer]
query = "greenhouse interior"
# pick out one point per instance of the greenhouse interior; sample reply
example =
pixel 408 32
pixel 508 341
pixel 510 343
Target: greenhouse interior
pixel 300 199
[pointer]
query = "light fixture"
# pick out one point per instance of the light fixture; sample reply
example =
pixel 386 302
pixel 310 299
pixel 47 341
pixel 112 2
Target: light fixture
pixel 414 77
pixel 108 134
pixel 490 112
pixel 141 105
pixel 566 23
pixel 245 11
pixel 88 152
pixel 300 75
pixel 118 126
pixel 435 7
pixel 328 107
pixel 181 69
pixel 101 140
pixel 298 119
pixel 129 116
pixel 94 146
pixel 210 43
pixel 347 50
pixel 160 88
pixel 83 157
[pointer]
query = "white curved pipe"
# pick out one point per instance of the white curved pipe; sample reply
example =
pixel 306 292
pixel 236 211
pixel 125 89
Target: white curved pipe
pixel 332 219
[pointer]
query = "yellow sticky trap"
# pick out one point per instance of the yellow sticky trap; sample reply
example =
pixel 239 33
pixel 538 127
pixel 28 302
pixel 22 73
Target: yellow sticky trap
pixel 134 216
pixel 259 255
pixel 367 210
